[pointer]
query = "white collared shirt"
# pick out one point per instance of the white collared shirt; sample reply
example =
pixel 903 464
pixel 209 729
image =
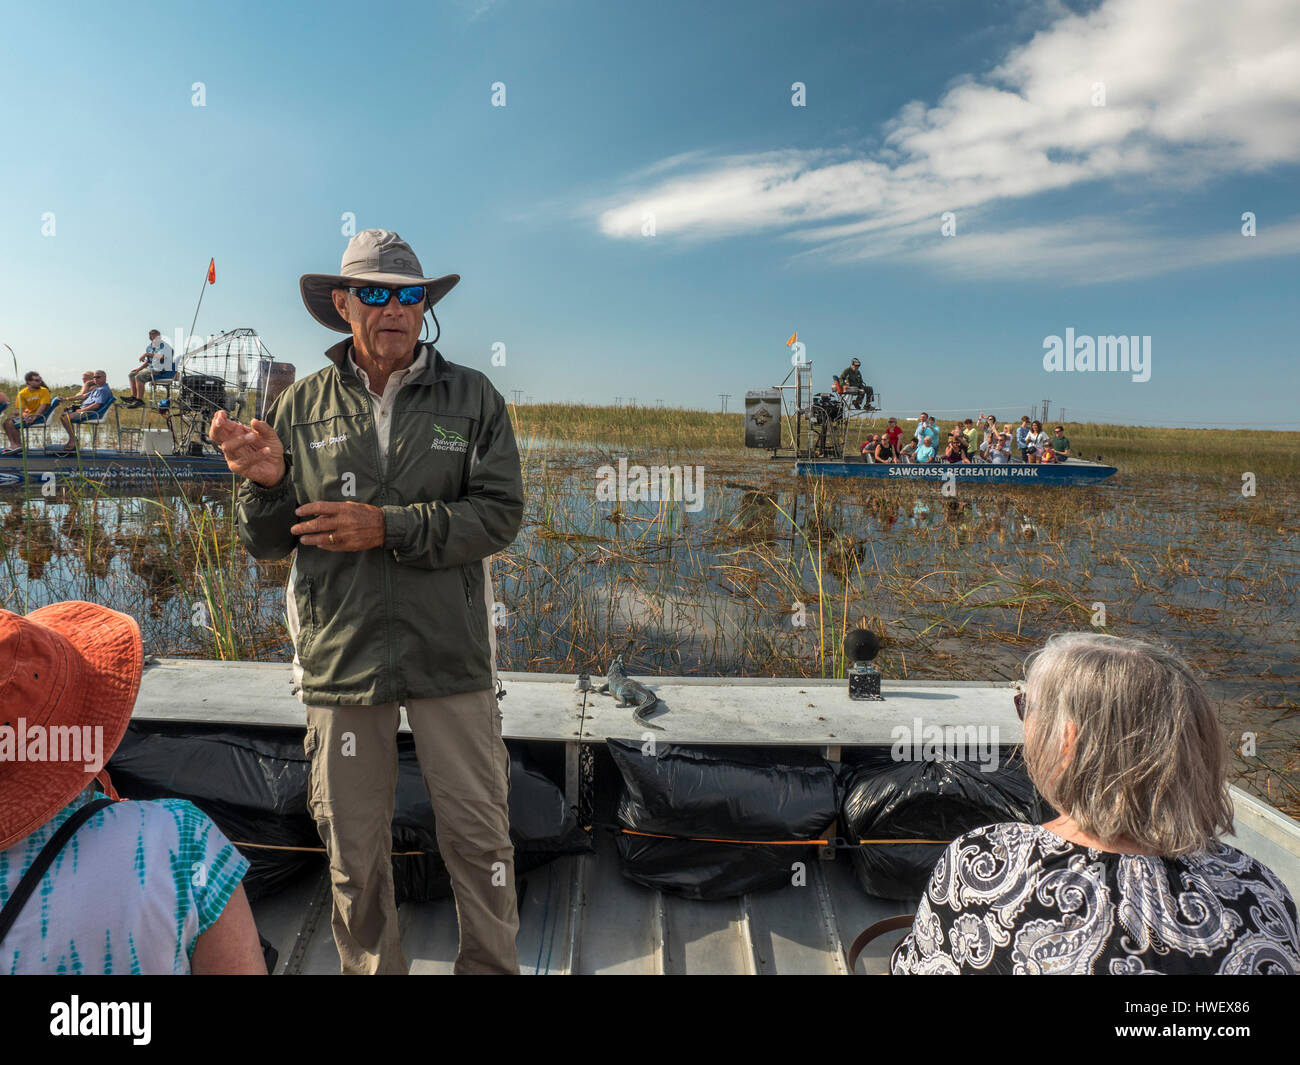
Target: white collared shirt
pixel 382 406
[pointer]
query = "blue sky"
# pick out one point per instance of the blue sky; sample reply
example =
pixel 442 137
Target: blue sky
pixel 1118 217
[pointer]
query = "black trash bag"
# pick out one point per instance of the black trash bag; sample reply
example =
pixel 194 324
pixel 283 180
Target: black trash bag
pixel 885 799
pixel 722 792
pixel 253 784
pixel 542 825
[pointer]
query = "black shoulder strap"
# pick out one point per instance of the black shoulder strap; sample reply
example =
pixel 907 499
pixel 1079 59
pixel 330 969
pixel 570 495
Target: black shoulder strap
pixel 49 852
pixel 889 924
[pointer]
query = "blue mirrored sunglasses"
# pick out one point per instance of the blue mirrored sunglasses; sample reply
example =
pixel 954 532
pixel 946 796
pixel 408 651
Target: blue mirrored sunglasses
pixel 378 296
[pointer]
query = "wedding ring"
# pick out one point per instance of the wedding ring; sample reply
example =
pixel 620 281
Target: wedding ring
pixel 331 537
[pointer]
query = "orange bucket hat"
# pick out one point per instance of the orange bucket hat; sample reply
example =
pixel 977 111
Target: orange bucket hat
pixel 66 668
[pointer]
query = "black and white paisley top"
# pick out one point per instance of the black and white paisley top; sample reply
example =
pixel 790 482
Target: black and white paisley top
pixel 1016 898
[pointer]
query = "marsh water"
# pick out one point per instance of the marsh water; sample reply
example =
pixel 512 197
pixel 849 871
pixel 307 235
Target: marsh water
pixel 763 574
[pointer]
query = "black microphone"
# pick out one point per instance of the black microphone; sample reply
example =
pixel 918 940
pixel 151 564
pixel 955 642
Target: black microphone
pixel 861 645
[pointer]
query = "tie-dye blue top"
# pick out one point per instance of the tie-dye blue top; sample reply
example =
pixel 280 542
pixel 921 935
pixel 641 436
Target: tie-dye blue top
pixel 131 892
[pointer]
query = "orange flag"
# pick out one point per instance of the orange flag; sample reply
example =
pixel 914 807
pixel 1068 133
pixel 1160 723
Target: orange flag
pixel 212 271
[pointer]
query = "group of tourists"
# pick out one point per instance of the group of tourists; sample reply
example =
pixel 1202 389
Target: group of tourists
pixel 35 402
pixel 974 440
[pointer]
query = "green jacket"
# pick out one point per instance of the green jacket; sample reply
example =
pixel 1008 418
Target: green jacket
pixel 408 620
pixel 851 378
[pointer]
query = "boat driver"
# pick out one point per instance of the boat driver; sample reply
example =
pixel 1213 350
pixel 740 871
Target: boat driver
pixel 157 361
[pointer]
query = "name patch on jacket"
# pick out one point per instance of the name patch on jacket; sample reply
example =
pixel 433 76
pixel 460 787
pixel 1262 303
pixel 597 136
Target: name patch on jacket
pixel 331 440
pixel 448 440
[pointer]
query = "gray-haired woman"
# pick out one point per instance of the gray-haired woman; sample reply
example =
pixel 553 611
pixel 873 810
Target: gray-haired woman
pixel 1122 739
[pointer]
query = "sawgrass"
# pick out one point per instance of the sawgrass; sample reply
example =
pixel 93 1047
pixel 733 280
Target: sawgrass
pixel 1132 448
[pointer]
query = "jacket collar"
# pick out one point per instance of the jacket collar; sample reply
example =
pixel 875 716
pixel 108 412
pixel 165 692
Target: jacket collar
pixel 436 369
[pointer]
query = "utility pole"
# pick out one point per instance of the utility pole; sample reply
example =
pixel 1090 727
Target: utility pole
pixel 530 399
pixel 632 402
pixel 724 396
pixel 1043 419
pixel 618 401
pixel 659 402
pixel 517 392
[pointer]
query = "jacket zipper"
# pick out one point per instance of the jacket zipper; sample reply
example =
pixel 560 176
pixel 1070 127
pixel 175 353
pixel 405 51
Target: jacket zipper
pixel 394 664
pixel 382 470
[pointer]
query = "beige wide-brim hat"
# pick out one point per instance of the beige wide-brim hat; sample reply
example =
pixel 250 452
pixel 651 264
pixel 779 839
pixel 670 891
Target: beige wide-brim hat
pixel 373 257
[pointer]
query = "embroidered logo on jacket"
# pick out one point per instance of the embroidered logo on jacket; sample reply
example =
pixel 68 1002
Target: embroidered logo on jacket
pixel 331 440
pixel 449 440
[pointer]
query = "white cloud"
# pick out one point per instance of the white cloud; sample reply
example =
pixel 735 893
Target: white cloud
pixel 1194 90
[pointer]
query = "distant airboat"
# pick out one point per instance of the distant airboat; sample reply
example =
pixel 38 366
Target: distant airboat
pixel 233 372
pixel 792 421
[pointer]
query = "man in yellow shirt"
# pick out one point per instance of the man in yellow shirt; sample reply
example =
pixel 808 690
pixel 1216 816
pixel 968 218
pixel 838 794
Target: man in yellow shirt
pixel 33 401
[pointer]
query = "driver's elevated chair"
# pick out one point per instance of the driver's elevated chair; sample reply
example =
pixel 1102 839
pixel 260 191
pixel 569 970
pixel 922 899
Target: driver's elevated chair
pixel 162 378
pixel 862 398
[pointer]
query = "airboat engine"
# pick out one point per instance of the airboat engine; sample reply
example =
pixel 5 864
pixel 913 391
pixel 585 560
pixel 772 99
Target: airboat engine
pixel 826 408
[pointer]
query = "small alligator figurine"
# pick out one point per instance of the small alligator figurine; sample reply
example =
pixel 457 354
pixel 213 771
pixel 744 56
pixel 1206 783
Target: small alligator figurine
pixel 630 693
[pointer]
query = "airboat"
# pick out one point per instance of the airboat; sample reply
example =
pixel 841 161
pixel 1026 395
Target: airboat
pixel 234 372
pixel 792 421
pixel 612 875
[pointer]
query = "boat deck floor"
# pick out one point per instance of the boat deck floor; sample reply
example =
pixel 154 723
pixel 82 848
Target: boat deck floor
pixel 580 914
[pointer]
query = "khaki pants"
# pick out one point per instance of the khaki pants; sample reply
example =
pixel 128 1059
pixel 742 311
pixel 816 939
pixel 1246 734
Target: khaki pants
pixel 353 752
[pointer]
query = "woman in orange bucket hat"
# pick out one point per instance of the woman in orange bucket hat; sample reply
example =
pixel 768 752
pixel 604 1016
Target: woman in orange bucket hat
pixel 69 676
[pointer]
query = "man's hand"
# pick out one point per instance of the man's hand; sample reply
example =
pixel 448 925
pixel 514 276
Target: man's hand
pixel 252 451
pixel 340 526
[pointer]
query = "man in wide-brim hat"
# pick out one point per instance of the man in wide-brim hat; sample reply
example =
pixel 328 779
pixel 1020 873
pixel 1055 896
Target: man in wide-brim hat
pixel 393 475
pixel 69 675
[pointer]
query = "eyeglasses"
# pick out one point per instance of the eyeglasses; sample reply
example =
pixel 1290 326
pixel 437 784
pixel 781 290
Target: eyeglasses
pixel 378 296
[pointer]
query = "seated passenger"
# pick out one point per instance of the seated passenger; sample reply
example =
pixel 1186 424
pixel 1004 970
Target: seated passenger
pixel 1131 878
pixel 1000 449
pixel 33 401
pixel 1061 444
pixel 141 887
pixel 924 451
pixel 78 411
pixel 956 449
pixel 868 448
pixel 908 452
pixel 885 451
